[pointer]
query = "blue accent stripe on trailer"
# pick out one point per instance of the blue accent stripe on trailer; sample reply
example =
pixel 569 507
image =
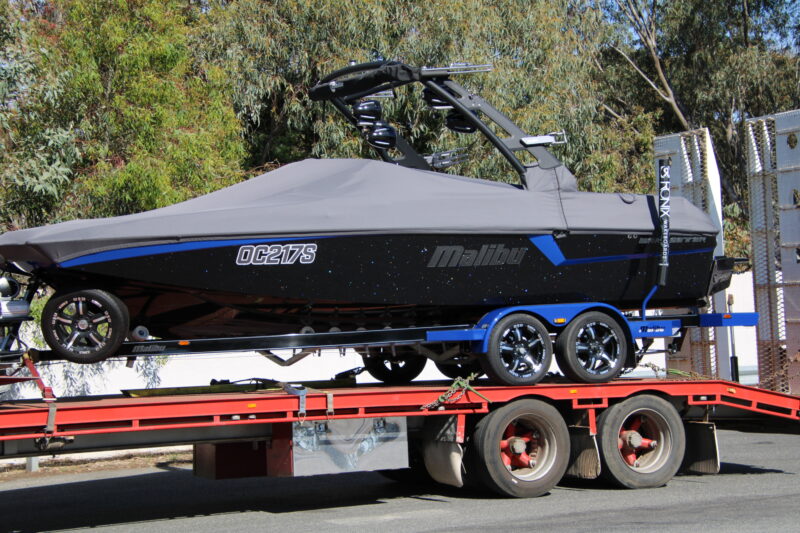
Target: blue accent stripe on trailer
pixel 728 319
pixel 549 248
pixel 157 249
pixel 456 335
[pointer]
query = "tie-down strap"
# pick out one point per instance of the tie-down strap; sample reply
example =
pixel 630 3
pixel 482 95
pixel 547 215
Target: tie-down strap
pixel 301 391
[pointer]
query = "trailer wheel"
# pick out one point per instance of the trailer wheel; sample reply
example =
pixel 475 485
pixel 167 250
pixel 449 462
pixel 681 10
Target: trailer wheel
pixel 521 449
pixel 520 351
pixel 84 326
pixel 592 348
pixel 642 442
pixel 396 366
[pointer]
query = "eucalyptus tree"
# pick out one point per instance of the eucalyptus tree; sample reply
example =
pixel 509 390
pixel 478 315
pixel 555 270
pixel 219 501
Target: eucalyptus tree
pixel 545 76
pixel 37 154
pixel 710 63
pixel 121 84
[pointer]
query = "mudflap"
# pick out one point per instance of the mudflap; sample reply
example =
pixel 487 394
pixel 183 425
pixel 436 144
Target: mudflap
pixel 442 453
pixel 702 451
pixel 443 462
pixel 584 455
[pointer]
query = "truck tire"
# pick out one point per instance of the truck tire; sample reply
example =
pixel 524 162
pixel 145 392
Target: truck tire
pixel 84 326
pixel 642 442
pixel 521 449
pixel 393 367
pixel 592 348
pixel 520 351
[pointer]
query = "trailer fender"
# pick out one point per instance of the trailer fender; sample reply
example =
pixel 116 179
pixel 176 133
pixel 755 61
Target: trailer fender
pixel 553 315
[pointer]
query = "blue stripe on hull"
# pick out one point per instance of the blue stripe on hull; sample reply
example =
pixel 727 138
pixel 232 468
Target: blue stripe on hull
pixel 546 244
pixel 549 248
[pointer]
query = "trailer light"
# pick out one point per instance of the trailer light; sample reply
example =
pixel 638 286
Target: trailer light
pixel 560 321
pixel 726 316
pixel 183 343
pixel 573 391
pixel 251 406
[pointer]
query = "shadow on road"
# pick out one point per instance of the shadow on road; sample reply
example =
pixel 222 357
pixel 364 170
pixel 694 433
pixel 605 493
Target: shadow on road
pixel 735 468
pixel 176 493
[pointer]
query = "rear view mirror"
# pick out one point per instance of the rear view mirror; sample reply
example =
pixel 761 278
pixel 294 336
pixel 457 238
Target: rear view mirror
pixel 458 123
pixel 367 113
pixel 382 136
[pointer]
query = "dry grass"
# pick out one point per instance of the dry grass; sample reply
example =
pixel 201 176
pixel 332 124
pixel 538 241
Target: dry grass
pixel 76 466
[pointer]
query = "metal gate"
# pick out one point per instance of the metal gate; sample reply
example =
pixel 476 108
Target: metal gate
pixel 773 168
pixel 694 175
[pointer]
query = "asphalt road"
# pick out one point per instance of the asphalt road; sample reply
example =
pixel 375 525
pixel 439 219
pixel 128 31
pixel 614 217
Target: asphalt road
pixel 757 490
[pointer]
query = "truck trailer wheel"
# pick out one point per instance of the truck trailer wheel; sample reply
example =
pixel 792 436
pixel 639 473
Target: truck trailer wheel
pixel 592 348
pixel 521 449
pixel 642 442
pixel 84 326
pixel 520 351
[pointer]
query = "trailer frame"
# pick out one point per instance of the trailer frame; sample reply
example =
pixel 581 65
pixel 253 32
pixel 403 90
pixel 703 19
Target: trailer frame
pixel 241 434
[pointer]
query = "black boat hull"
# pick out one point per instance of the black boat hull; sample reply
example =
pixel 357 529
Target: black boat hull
pixel 280 285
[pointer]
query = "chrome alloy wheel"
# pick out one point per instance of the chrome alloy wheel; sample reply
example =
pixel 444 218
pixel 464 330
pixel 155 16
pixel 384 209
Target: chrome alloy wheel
pixel 597 348
pixel 82 324
pixel 522 350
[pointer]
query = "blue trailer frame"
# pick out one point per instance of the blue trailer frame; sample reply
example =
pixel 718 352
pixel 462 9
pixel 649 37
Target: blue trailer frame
pixel 557 316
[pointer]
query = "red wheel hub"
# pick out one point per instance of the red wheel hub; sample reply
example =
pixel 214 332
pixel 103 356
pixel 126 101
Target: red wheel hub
pixel 631 443
pixel 515 446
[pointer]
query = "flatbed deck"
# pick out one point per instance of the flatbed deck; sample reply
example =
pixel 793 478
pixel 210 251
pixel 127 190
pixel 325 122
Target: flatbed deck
pixel 74 417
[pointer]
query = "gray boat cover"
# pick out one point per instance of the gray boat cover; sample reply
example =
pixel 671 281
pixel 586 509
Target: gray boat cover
pixel 355 196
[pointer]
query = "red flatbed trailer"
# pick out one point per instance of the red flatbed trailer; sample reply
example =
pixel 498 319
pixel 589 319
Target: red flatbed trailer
pixel 518 441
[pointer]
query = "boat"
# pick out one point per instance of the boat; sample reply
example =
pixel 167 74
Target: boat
pixel 358 244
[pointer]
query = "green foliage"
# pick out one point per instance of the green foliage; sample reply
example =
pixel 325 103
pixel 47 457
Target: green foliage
pixel 119 81
pixel 544 77
pixel 36 155
pixel 725 62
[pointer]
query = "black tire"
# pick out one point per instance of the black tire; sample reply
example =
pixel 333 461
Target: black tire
pixel 393 367
pixel 521 431
pixel 592 348
pixel 460 369
pixel 634 424
pixel 84 326
pixel 520 351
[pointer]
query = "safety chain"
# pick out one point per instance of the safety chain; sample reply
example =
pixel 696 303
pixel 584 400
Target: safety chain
pixel 674 373
pixel 457 390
